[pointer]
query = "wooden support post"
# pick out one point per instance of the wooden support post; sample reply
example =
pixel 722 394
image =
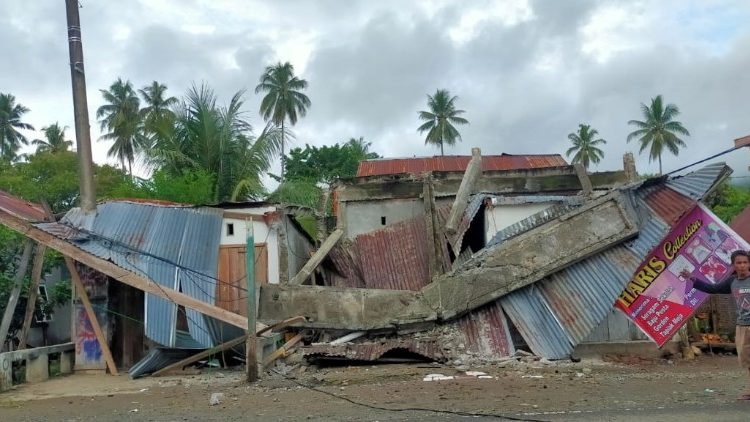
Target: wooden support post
pixel 15 293
pixel 317 257
pixel 81 292
pixel 429 202
pixel 251 358
pixel 283 349
pixel 36 278
pixel 583 177
pixel 472 173
pixel 225 346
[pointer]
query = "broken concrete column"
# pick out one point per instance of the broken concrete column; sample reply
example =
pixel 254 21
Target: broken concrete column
pixel 583 177
pixel 66 362
pixel 473 171
pixel 6 372
pixel 37 368
pixel 628 162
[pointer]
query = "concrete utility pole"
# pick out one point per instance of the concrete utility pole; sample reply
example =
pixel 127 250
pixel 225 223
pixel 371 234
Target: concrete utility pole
pixel 80 107
pixel 251 357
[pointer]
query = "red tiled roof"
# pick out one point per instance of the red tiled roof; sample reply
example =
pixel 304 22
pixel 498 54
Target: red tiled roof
pixel 741 224
pixel 18 207
pixel 382 167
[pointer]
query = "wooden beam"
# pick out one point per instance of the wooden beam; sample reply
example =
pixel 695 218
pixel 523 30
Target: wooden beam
pixel 225 346
pixel 473 171
pixel 81 291
pixel 280 352
pixel 36 278
pixel 15 293
pixel 317 257
pixel 118 273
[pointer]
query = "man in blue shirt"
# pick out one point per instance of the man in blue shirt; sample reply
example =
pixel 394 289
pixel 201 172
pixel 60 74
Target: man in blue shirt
pixel 738 284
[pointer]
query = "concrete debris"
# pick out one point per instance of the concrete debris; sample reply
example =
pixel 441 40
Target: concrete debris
pixel 216 398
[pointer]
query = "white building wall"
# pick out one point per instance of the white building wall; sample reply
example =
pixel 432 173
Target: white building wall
pixel 261 232
pixel 502 216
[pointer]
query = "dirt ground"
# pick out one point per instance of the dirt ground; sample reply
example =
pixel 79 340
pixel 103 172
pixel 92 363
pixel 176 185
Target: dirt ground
pixel 519 391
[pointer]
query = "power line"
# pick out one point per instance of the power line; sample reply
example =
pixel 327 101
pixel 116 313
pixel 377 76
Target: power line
pixel 705 159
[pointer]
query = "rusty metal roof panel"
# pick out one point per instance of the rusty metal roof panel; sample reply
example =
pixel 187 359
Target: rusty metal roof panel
pixel 456 163
pixel 667 204
pixel 741 224
pixel 486 332
pixel 21 208
pixel 697 184
pixel 394 257
pixel 374 350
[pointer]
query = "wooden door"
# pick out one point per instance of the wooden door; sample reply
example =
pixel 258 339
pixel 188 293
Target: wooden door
pixel 230 291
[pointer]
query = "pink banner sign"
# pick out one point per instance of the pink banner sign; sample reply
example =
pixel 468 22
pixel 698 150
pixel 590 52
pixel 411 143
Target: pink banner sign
pixel 658 299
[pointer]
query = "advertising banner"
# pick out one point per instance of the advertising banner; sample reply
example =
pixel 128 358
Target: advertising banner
pixel 658 299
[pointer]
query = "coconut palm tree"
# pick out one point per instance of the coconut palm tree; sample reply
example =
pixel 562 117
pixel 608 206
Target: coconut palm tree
pixel 218 140
pixel 659 130
pixel 158 108
pixel 440 119
pixel 121 122
pixel 284 99
pixel 54 139
pixel 585 146
pixel 10 123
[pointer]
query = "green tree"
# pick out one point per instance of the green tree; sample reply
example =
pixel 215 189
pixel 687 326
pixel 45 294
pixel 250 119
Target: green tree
pixel 585 146
pixel 220 142
pixel 10 123
pixel 440 119
pixel 728 201
pixel 157 113
pixel 121 121
pixel 54 139
pixel 284 99
pixel 327 163
pixel 658 130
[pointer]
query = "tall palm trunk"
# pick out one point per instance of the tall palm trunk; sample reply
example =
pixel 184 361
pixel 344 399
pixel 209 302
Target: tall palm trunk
pixel 441 149
pixel 283 134
pixel 660 173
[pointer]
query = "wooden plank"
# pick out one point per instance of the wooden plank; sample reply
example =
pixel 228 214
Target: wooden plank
pixel 118 273
pixel 36 278
pixel 283 349
pixel 15 292
pixel 317 257
pixel 81 291
pixel 224 346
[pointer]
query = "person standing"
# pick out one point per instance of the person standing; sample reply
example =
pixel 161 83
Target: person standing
pixel 738 284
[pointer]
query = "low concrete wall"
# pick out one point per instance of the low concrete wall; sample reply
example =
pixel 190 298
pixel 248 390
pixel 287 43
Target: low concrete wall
pixel 37 363
pixel 646 349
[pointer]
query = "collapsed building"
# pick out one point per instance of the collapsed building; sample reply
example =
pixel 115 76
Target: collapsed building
pixel 489 253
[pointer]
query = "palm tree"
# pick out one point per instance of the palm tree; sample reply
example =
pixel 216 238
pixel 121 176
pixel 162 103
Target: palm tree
pixel 218 141
pixel 121 121
pixel 585 146
pixel 55 141
pixel 361 149
pixel 659 130
pixel 10 123
pixel 440 119
pixel 158 109
pixel 283 100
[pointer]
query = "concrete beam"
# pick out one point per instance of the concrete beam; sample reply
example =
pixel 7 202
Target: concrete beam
pixel 343 308
pixel 473 171
pixel 536 254
pixel 583 177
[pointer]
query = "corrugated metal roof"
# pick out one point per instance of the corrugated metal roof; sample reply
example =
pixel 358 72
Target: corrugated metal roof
pixel 20 208
pixel 741 224
pixel 559 312
pixel 695 185
pixel 394 257
pixel 457 163
pixel 485 331
pixel 530 222
pixel 371 351
pixel 133 235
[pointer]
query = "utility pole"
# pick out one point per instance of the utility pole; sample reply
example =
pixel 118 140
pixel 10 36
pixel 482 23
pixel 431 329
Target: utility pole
pixel 80 108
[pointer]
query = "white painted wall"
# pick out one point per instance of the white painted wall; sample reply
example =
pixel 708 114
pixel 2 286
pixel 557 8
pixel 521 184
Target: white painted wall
pixel 262 234
pixel 502 216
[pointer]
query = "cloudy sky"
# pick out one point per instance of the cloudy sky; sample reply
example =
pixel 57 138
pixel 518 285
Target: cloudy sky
pixel 526 72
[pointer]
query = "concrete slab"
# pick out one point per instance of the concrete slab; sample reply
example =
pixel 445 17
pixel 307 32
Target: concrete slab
pixel 37 368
